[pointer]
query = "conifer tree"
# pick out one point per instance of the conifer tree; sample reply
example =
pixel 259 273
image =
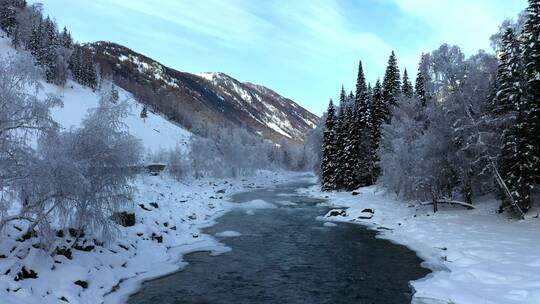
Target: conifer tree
pixel 520 156
pixel 391 84
pixel 531 58
pixel 349 152
pixel 341 140
pixel 509 78
pixel 421 80
pixel 407 88
pixel 144 113
pixel 378 117
pixel 65 39
pixel 362 131
pixel 328 163
pixel 114 93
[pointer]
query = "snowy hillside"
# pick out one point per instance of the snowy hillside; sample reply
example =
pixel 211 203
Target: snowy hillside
pixel 155 132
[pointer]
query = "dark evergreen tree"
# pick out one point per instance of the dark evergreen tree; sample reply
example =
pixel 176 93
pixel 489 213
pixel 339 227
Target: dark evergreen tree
pixel 378 117
pixel 144 112
pixel 421 80
pixel 8 14
pixel 341 140
pixel 531 59
pixel 362 131
pixel 407 88
pixel 65 39
pixel 349 152
pixel 114 93
pixel 328 163
pixel 391 87
pixel 509 79
pixel 81 65
pixel 520 158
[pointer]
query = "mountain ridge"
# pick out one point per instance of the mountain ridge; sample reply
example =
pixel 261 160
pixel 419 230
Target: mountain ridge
pixel 207 98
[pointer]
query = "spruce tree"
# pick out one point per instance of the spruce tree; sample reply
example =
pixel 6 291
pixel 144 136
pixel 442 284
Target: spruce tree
pixel 328 163
pixel 407 88
pixel 114 93
pixel 341 141
pixel 531 60
pixel 349 151
pixel 509 79
pixel 421 80
pixel 378 117
pixel 391 84
pixel 520 159
pixel 65 39
pixel 144 113
pixel 362 131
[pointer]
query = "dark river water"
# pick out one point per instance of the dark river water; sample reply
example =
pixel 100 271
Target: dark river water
pixel 284 255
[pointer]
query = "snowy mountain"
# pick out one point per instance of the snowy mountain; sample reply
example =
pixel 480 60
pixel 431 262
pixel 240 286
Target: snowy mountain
pixel 191 99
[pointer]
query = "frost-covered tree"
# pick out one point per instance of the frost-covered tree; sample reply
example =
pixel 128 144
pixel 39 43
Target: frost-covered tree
pixel 401 150
pixel 86 172
pixel 23 118
pixel 448 157
pixel 75 178
pixel 230 152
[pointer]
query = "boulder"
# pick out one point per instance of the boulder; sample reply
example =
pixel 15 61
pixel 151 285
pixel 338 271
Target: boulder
pixel 123 218
pixel 83 284
pixel 336 212
pixel 155 169
pixel 26 274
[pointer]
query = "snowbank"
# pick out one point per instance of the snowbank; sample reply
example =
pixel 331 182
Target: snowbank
pixel 478 256
pixel 168 218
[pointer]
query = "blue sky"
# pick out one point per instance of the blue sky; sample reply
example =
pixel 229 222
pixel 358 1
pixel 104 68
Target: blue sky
pixel 303 49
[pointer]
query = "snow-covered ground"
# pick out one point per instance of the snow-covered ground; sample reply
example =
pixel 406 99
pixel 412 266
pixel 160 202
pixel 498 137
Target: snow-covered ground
pixel 478 256
pixel 169 215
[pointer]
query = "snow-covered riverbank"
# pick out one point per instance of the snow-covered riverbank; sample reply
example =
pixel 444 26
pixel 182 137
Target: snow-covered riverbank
pixel 478 256
pixel 168 214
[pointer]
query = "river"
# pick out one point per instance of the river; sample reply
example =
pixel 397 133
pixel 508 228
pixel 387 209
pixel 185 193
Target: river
pixel 284 255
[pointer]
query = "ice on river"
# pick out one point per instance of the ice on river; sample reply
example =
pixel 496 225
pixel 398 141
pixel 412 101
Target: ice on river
pixel 228 233
pixel 256 204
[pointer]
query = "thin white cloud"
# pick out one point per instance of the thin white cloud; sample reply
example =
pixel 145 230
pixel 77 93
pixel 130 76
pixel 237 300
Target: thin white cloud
pixel 467 23
pixel 227 22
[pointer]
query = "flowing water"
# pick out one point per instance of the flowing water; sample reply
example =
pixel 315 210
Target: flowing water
pixel 284 255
